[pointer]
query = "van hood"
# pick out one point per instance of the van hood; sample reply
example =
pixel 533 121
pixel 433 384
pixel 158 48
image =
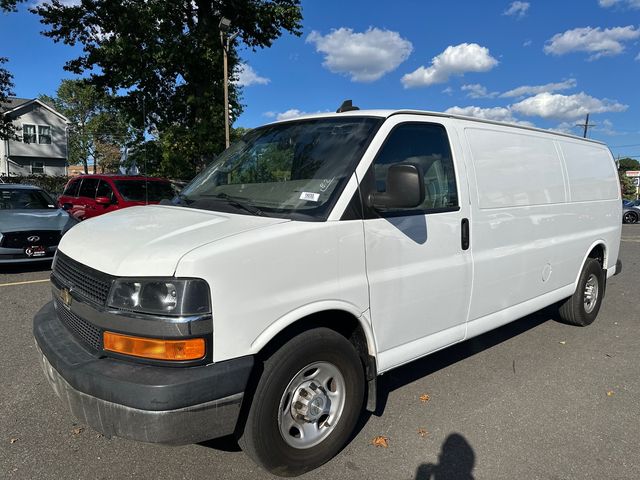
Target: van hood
pixel 151 240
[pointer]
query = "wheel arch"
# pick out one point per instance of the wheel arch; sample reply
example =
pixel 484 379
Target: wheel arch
pixel 599 251
pixel 338 316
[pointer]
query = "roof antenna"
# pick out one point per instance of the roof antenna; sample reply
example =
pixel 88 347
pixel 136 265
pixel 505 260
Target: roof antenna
pixel 347 106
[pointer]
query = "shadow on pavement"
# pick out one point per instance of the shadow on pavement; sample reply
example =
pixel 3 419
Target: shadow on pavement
pixel 27 267
pixel 455 462
pixel 224 444
pixel 422 367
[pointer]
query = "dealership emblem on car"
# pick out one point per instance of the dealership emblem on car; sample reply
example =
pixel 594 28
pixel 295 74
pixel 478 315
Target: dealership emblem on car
pixel 33 238
pixel 65 296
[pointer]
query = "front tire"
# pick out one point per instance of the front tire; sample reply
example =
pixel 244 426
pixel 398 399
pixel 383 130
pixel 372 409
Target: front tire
pixel 306 404
pixel 582 307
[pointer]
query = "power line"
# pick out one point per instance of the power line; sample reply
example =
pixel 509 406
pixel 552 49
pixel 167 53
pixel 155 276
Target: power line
pixel 624 146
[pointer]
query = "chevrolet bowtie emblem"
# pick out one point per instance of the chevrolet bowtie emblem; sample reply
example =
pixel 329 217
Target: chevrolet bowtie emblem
pixel 65 296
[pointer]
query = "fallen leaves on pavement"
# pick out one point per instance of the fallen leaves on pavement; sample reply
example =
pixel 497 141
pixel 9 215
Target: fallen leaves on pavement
pixel 422 432
pixel 13 440
pixel 610 393
pixel 381 441
pixel 78 430
pixel 424 398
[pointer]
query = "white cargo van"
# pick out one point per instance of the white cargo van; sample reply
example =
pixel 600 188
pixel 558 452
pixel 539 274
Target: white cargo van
pixel 311 257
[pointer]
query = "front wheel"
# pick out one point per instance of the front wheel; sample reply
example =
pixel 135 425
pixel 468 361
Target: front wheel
pixel 306 404
pixel 582 307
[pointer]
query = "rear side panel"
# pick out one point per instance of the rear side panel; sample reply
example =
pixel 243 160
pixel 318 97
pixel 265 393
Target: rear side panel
pixel 535 216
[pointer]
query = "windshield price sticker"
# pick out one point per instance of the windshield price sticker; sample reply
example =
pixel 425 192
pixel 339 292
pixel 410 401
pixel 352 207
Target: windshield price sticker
pixel 310 196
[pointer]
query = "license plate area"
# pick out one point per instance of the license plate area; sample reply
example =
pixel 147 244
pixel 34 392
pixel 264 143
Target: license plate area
pixel 35 251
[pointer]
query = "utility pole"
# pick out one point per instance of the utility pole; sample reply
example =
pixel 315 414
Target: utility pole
pixel 586 126
pixel 225 39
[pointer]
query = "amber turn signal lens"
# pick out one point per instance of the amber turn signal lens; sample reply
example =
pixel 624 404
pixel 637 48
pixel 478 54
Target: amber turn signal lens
pixel 153 348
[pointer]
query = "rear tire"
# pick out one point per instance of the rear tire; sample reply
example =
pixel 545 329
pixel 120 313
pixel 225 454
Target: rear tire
pixel 306 404
pixel 582 307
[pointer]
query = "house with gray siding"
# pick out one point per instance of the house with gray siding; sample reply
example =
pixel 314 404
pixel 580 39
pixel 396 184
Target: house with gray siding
pixel 40 146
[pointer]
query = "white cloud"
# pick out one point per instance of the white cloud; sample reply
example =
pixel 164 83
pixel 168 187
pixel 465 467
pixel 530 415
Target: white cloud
pixel 597 42
pixel 517 9
pixel 455 60
pixel 498 114
pixel 365 57
pixel 638 57
pixel 448 91
pixel 527 43
pixel 565 107
pixel 536 89
pixel 247 76
pixel 606 127
pixel 611 3
pixel 476 90
pixel 290 114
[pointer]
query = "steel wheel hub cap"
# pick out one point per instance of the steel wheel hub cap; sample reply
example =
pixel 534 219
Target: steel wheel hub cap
pixel 311 405
pixel 590 293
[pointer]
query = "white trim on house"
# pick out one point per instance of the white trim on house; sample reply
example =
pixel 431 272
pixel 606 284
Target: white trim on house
pixel 42 104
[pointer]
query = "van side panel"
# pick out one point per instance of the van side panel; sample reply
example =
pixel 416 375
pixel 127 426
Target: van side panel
pixel 515 169
pixel 528 238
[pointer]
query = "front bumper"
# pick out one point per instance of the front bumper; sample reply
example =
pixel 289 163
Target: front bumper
pixel 169 405
pixel 18 255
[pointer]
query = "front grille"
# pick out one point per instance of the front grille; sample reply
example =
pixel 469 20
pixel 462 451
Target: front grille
pixel 81 329
pixel 47 238
pixel 84 281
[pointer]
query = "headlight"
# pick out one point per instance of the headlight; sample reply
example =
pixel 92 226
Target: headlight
pixel 163 296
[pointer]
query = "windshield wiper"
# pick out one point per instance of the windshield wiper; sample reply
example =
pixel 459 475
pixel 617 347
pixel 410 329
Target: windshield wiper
pixel 236 202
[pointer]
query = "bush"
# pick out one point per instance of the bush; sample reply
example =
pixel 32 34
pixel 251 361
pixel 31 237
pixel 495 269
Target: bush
pixel 53 185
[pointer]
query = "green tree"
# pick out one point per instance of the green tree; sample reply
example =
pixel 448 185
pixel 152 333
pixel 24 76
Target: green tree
pixel 97 128
pixel 165 59
pixel 7 130
pixel 625 164
pixel 627 187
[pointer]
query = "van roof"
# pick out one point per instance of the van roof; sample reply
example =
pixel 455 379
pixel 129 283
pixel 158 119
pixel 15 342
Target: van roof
pixel 390 113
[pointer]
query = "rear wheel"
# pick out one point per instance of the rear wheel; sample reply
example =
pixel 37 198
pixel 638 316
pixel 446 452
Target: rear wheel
pixel 630 217
pixel 306 404
pixel 582 307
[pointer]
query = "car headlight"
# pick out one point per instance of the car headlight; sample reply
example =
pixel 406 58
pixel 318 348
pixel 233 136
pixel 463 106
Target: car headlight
pixel 163 296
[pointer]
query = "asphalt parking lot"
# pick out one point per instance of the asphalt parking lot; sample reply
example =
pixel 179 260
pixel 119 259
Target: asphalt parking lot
pixel 536 399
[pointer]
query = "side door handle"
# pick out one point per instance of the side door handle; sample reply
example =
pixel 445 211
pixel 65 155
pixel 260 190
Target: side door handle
pixel 465 235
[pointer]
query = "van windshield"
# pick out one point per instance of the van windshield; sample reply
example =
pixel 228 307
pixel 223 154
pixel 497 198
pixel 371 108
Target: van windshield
pixel 295 169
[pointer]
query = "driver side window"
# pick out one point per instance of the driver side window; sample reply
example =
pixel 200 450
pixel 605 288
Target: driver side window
pixel 427 146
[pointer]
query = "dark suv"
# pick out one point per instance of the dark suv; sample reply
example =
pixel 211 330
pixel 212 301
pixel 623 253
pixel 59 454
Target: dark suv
pixel 88 196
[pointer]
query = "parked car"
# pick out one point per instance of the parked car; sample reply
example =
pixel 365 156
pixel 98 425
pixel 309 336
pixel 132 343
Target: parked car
pixel 30 224
pixel 630 211
pixel 309 258
pixel 88 196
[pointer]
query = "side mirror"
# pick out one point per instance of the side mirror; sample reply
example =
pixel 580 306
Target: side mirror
pixel 405 188
pixel 67 206
pixel 103 200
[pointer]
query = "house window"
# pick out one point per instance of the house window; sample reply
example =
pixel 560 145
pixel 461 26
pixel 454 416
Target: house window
pixel 37 166
pixel 44 134
pixel 29 133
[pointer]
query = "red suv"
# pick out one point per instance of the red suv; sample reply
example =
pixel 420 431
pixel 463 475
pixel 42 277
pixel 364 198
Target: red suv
pixel 88 196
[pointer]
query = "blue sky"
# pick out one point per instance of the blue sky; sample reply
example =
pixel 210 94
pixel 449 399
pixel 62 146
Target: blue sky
pixel 539 62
